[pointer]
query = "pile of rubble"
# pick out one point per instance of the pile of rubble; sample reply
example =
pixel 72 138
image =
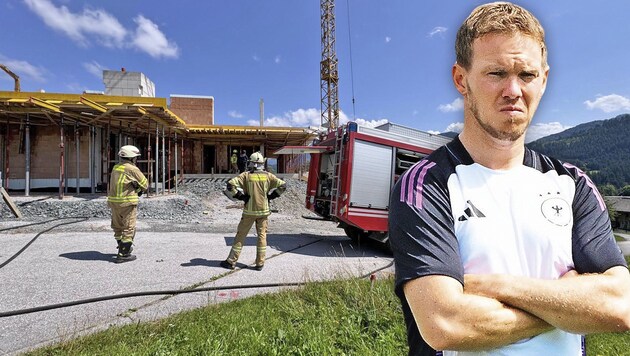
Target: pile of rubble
pixel 197 201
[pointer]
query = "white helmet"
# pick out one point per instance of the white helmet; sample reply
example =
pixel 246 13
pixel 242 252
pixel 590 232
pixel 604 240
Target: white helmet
pixel 129 151
pixel 257 157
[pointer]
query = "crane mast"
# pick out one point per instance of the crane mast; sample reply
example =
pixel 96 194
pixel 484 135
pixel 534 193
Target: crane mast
pixel 329 76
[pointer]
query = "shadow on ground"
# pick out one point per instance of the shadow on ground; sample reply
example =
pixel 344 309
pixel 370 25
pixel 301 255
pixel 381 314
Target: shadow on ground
pixel 89 256
pixel 333 246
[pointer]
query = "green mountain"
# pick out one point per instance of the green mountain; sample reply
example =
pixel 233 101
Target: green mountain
pixel 600 148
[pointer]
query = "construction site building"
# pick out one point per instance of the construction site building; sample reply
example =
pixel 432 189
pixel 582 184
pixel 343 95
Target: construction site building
pixel 70 141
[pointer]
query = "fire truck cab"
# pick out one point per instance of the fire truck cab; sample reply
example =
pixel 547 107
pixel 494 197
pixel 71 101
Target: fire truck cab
pixel 353 170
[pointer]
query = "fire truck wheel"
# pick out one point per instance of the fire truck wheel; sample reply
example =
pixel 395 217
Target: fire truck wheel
pixel 354 233
pixel 388 246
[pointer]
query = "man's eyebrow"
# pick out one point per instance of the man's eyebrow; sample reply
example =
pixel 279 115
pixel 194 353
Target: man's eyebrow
pixel 530 70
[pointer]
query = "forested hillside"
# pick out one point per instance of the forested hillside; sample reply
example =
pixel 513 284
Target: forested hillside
pixel 601 148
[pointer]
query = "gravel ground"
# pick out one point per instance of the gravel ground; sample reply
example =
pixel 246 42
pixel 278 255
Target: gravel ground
pixel 199 206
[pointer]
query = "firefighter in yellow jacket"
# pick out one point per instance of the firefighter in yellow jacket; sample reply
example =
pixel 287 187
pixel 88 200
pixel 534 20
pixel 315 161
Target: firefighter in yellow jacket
pixel 256 187
pixel 126 184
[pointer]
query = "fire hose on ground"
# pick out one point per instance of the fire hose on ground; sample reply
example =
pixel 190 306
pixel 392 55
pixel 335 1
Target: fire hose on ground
pixel 371 275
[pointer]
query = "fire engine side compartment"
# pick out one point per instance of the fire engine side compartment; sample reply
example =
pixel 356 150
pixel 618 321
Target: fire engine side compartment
pixel 319 185
pixel 356 192
pixel 371 166
pixel 369 182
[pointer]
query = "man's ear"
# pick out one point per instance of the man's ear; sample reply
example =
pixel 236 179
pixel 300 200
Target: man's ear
pixel 459 78
pixel 544 84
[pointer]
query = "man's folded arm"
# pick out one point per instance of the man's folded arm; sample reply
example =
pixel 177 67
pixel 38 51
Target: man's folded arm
pixel 449 319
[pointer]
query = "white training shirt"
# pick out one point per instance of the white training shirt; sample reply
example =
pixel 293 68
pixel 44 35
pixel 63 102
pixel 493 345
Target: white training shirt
pixel 450 216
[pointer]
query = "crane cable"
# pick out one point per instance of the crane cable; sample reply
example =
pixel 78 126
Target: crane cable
pixel 351 69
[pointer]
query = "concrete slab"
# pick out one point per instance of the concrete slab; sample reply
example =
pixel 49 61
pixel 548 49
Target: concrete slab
pixel 70 266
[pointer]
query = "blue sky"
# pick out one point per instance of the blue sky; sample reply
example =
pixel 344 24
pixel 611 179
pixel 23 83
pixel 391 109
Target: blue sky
pixel 395 56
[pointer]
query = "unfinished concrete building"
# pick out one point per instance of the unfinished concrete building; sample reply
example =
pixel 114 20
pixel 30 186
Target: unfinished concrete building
pixel 70 141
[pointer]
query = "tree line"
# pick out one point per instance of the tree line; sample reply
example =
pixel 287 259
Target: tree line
pixel 600 148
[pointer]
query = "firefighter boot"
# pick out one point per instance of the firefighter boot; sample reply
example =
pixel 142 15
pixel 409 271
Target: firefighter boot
pixel 230 262
pixel 260 257
pixel 227 265
pixel 124 253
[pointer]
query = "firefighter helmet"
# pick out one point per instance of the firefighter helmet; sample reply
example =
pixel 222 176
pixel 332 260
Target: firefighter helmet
pixel 257 157
pixel 234 151
pixel 129 151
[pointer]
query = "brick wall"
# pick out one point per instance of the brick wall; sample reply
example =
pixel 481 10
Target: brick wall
pixel 194 110
pixel 45 153
pixel 197 155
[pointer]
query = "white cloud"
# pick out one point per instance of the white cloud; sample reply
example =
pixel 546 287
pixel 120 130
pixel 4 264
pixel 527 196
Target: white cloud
pixel 609 103
pixel 455 127
pixel 23 69
pixel 344 119
pixel 94 68
pixel 439 30
pixel 277 59
pixel 148 38
pixel 456 105
pixel 388 39
pixel 256 58
pixel 371 123
pixel 300 117
pixel 80 27
pixel 97 25
pixel 539 130
pixel 310 118
pixel 306 117
pixel 235 114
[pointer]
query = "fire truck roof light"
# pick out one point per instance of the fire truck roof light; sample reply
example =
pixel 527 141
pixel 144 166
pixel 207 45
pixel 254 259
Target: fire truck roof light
pixel 352 126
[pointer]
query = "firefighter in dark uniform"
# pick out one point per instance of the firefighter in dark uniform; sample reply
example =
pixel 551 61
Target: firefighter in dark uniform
pixel 242 162
pixel 256 188
pixel 126 184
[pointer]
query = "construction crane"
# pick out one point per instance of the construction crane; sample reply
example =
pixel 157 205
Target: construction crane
pixel 329 75
pixel 13 75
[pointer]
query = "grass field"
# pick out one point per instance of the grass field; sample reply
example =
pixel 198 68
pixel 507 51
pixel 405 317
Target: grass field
pixel 344 317
pixel 349 317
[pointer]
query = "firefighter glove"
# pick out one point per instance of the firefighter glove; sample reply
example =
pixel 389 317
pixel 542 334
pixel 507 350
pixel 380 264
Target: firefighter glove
pixel 240 195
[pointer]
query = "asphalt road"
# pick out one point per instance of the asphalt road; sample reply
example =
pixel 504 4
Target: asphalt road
pixel 69 266
pixel 75 265
pixel 624 245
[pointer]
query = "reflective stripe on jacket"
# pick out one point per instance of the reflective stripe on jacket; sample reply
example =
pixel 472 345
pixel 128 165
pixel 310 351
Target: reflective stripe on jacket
pixel 256 184
pixel 121 190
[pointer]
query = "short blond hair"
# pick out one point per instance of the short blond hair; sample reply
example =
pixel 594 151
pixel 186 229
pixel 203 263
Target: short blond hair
pixel 500 18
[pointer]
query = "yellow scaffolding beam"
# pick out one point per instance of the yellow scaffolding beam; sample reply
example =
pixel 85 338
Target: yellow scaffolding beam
pixel 44 104
pixel 94 105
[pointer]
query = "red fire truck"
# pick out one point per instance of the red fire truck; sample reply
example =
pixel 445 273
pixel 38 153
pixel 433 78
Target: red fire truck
pixel 353 169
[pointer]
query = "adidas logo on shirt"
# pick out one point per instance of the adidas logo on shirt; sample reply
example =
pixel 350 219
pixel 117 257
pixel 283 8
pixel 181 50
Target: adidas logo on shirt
pixel 471 211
